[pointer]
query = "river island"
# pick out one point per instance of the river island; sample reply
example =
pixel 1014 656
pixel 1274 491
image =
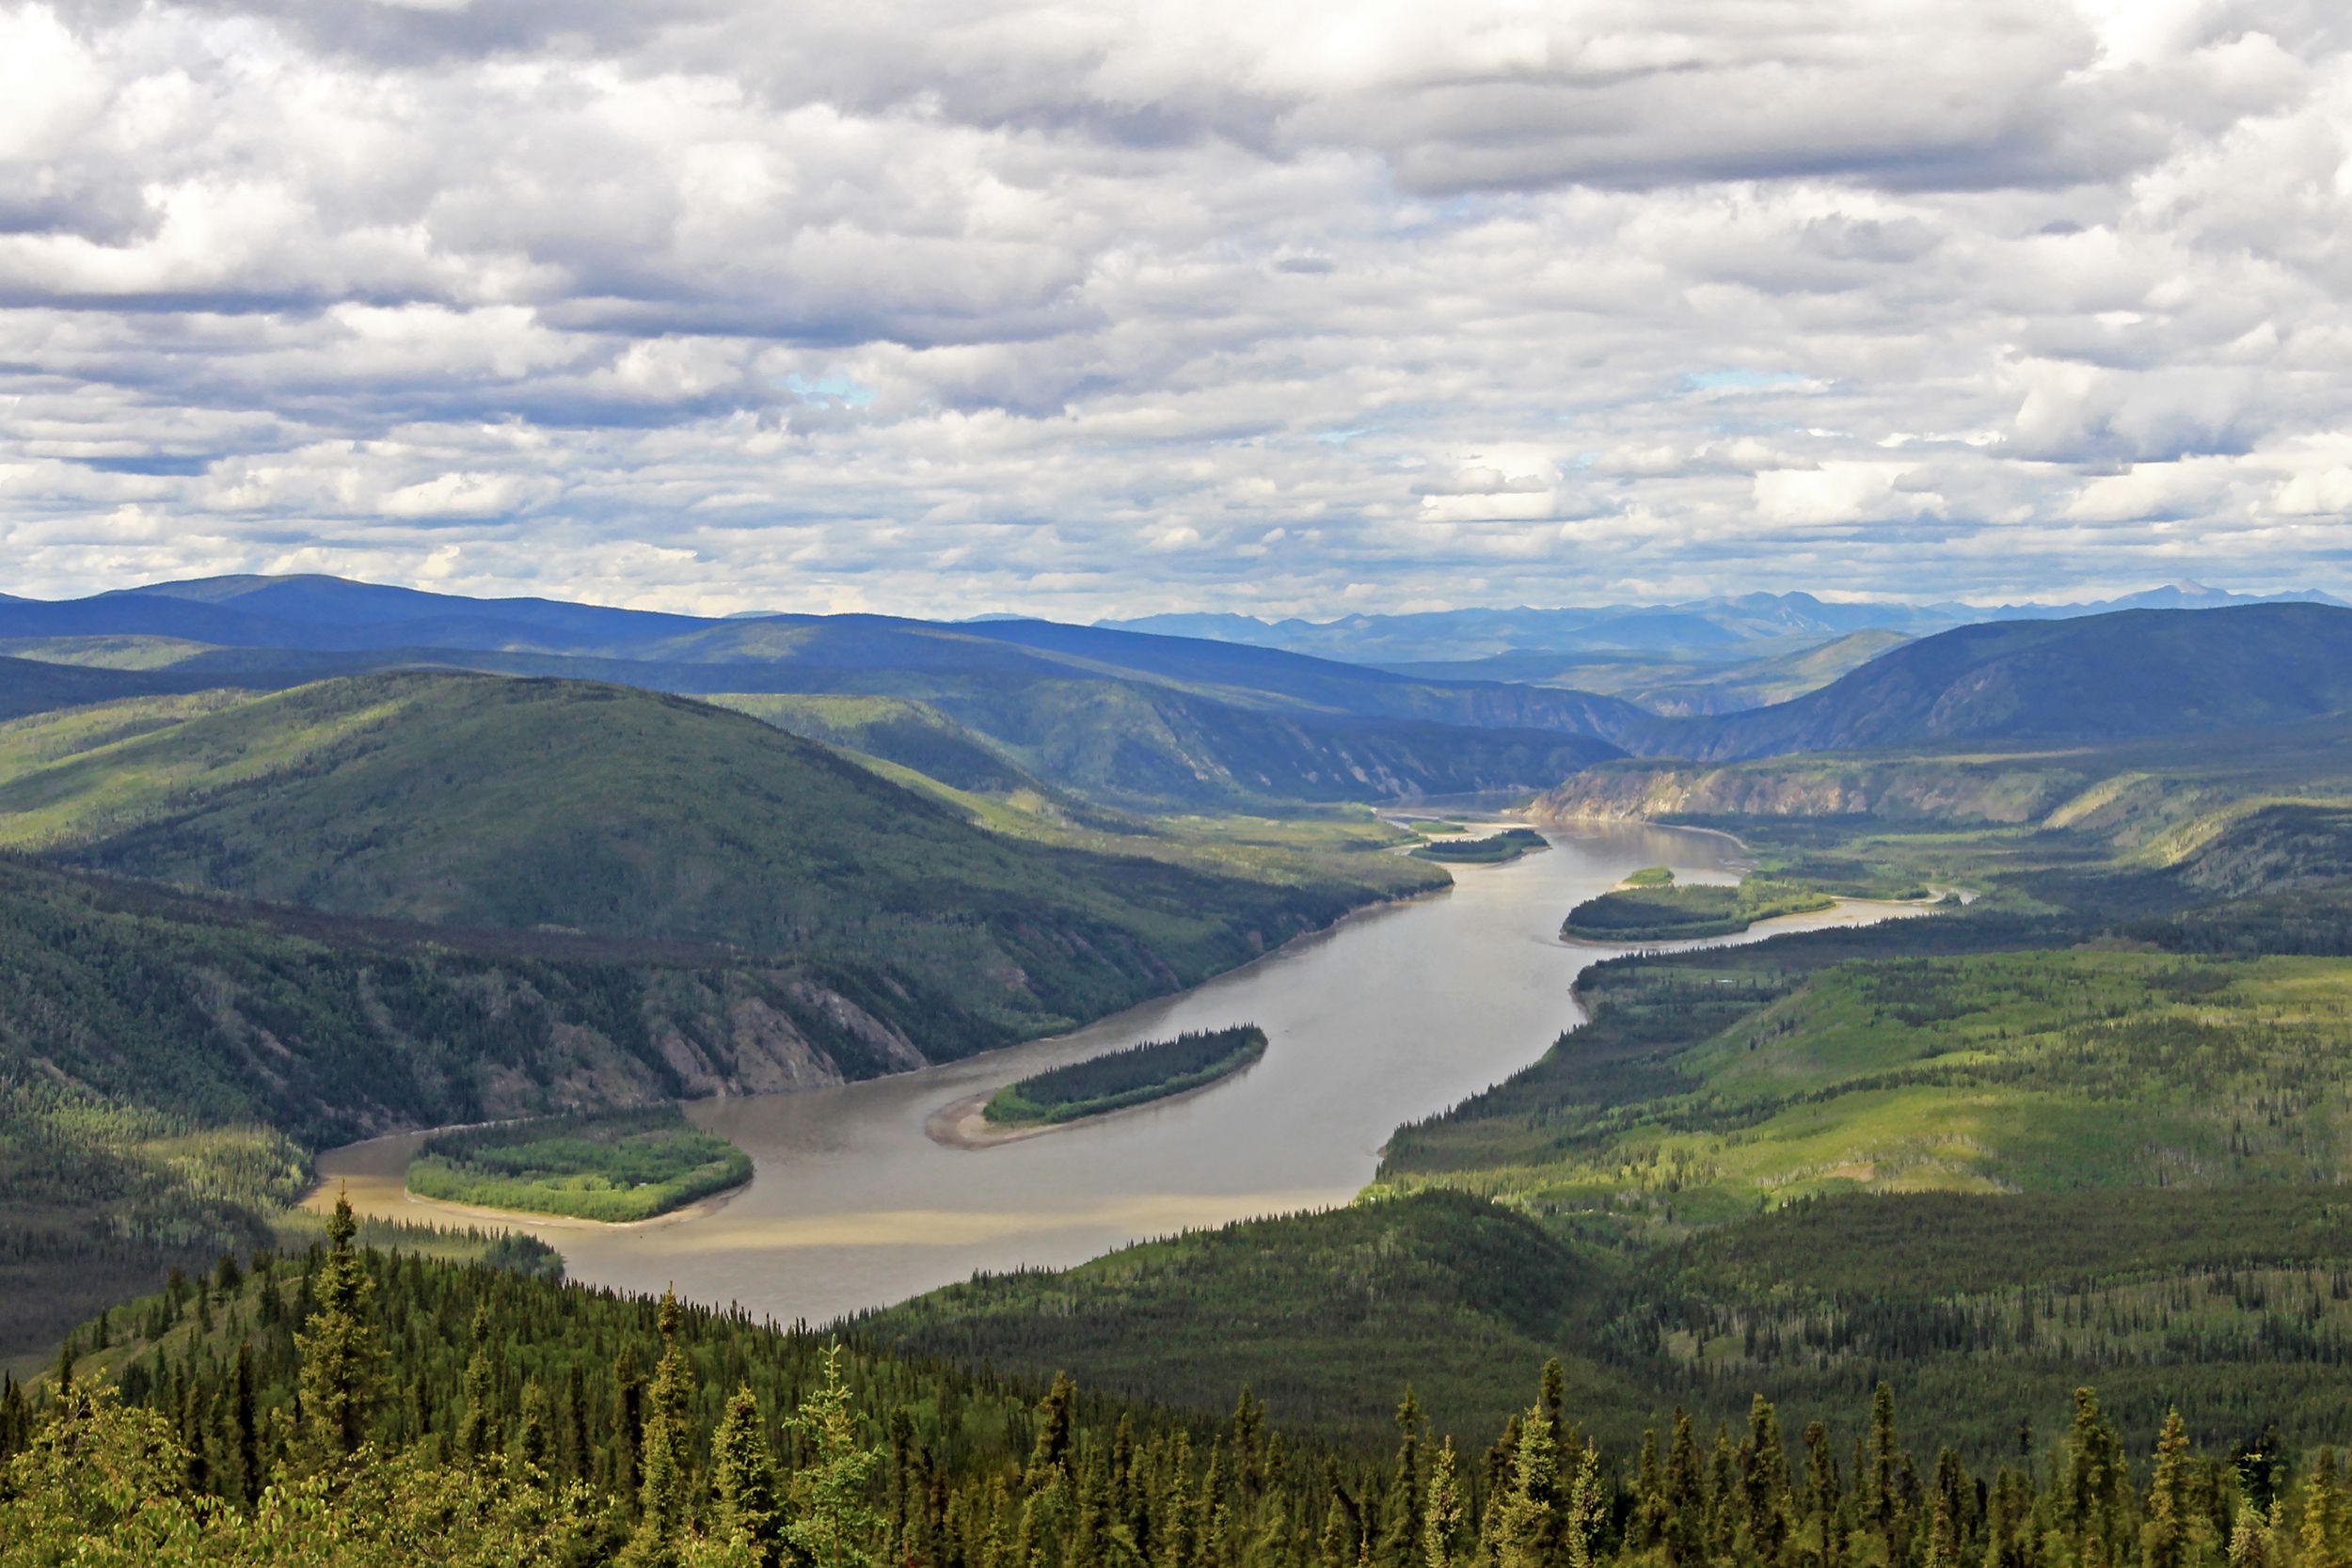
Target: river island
pixel 1118 1079
pixel 1649 906
pixel 1494 850
pixel 616 1167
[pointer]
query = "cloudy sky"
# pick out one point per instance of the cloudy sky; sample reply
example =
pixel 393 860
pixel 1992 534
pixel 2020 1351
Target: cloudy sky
pixel 1103 307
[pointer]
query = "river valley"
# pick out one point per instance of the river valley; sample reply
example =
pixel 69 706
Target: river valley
pixel 1394 1014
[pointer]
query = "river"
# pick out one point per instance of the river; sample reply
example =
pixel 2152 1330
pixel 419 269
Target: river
pixel 1396 1013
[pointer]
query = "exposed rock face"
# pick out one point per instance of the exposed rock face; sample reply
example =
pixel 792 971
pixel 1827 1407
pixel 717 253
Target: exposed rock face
pixel 1992 791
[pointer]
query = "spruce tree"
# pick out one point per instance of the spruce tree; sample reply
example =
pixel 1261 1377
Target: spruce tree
pixel 2164 1539
pixel 1686 1497
pixel 1532 1531
pixel 478 1423
pixel 534 1438
pixel 661 1494
pixel 831 1524
pixel 1764 1485
pixel 1442 1517
pixel 2322 1535
pixel 245 1428
pixel 1401 1522
pixel 339 1354
pixel 1587 1509
pixel 743 1473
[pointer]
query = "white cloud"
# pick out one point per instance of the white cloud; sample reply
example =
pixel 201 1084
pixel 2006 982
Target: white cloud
pixel 1084 310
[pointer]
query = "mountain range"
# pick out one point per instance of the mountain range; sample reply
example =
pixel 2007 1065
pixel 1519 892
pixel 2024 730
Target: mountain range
pixel 1122 716
pixel 1455 642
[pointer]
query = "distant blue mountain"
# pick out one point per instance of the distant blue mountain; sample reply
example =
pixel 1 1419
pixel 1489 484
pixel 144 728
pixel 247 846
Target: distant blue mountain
pixel 1739 626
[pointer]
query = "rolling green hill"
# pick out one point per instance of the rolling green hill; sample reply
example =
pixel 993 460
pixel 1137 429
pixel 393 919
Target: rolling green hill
pixel 474 801
pixel 1324 1315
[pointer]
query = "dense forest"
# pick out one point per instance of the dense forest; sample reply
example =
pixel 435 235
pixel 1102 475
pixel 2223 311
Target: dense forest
pixel 355 1406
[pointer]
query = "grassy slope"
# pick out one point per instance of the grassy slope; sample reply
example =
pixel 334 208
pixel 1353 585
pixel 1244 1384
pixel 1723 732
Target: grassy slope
pixel 2034 1071
pixel 482 803
pixel 1761 683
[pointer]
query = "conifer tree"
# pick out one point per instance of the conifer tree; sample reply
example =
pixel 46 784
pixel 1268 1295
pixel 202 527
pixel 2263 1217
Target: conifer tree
pixel 245 1430
pixel 1645 1530
pixel 338 1346
pixel 1057 1411
pixel 2095 1485
pixel 2321 1539
pixel 1532 1531
pixel 629 1418
pixel 1685 1523
pixel 1882 1458
pixel 535 1436
pixel 661 1514
pixel 1764 1485
pixel 2164 1539
pixel 478 1423
pixel 831 1523
pixel 1401 1521
pixel 2250 1541
pixel 1171 1520
pixel 1441 1519
pixel 1587 1509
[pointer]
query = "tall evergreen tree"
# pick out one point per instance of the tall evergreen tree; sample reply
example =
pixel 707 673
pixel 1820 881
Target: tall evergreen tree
pixel 339 1353
pixel 1764 1486
pixel 2321 1537
pixel 831 1522
pixel 1400 1514
pixel 1532 1531
pixel 2164 1540
pixel 661 1510
pixel 1442 1518
pixel 478 1423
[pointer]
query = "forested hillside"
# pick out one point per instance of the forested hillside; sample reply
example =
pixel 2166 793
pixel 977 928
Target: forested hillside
pixel 479 802
pixel 258 1421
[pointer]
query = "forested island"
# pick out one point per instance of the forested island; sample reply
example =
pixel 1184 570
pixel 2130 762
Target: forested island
pixel 1651 908
pixel 1494 850
pixel 1118 1079
pixel 616 1167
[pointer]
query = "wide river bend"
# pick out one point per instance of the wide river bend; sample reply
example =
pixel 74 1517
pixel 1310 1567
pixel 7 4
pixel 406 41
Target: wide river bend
pixel 1393 1014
